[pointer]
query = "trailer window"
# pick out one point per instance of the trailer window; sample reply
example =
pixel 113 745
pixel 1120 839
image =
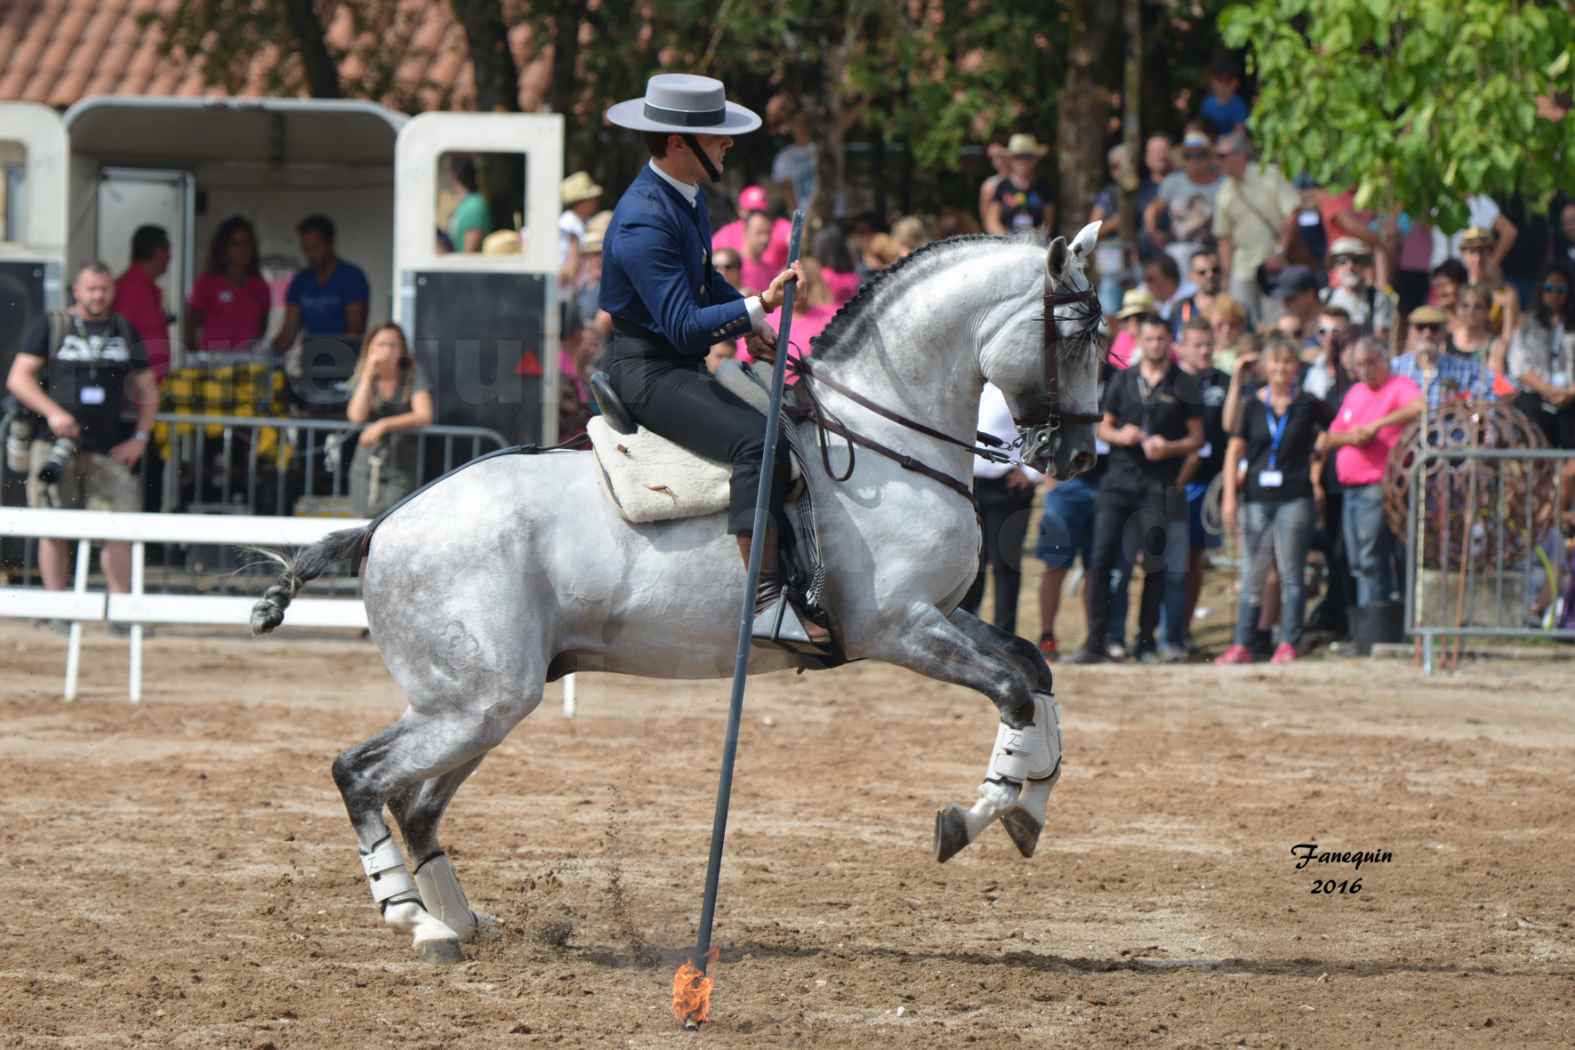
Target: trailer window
pixel 13 180
pixel 480 198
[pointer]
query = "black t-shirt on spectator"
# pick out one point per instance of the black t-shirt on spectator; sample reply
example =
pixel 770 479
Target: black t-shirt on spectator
pixel 1213 385
pixel 1023 209
pixel 1164 410
pixel 1304 419
pixel 87 374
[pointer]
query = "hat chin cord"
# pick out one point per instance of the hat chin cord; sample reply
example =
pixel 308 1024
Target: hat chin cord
pixel 705 161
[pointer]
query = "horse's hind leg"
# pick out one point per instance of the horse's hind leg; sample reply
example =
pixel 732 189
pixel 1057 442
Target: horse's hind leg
pixel 417 747
pixel 418 809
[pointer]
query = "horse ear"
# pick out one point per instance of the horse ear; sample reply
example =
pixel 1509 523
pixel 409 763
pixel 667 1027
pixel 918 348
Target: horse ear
pixel 1083 243
pixel 1056 257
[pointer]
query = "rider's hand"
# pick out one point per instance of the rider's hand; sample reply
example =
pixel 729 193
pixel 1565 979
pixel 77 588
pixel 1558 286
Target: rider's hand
pixel 771 298
pixel 762 344
pixel 63 424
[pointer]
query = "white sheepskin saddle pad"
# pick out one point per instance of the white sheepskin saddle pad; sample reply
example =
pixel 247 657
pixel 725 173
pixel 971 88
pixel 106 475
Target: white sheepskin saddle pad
pixel 652 479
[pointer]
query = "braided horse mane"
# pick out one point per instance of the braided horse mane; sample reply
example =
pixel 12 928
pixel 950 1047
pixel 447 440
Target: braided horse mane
pixel 835 342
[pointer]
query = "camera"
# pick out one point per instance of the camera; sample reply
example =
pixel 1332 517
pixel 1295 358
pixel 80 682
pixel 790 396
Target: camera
pixel 60 455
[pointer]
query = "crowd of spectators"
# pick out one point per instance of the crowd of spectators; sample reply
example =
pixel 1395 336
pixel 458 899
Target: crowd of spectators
pixel 1270 341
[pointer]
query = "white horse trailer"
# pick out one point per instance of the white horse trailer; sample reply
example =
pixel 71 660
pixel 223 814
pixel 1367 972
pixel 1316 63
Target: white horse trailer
pixel 485 328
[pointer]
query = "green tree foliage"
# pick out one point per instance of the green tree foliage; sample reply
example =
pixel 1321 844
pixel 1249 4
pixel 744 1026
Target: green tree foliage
pixel 1416 103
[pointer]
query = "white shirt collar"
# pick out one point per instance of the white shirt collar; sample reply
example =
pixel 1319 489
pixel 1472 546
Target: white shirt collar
pixel 689 190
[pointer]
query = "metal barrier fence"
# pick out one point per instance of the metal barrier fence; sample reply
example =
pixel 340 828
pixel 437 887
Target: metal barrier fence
pixel 1480 525
pixel 254 464
pixel 261 466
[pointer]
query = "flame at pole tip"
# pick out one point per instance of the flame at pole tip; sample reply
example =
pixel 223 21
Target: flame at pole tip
pixel 692 991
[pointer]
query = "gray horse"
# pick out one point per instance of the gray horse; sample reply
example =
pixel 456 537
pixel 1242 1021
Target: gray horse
pixel 518 569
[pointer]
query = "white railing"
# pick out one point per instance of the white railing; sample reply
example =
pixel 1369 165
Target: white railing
pixel 138 608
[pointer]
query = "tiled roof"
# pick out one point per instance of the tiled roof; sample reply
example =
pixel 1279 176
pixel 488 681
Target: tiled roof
pixel 59 51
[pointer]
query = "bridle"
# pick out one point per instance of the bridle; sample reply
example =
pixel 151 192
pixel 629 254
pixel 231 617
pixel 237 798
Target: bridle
pixel 1038 428
pixel 1041 426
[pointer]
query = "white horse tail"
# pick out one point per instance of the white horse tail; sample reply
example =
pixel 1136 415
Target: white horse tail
pixel 308 564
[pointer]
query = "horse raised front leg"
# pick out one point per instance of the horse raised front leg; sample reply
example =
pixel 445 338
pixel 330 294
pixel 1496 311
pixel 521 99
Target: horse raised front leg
pixel 1028 745
pixel 1022 814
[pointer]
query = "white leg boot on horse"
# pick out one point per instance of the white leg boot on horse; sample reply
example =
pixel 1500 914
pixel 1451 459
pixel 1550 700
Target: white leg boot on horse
pixel 414 766
pixel 1025 762
pixel 418 809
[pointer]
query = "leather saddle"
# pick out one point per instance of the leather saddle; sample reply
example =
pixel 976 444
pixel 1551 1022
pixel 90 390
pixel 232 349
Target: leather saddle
pixel 652 479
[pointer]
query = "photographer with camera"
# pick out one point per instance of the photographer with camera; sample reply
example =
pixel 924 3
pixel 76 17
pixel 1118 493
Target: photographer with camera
pixel 75 370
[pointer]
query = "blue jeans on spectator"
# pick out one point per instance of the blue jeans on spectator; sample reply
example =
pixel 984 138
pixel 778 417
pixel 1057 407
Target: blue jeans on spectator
pixel 1369 544
pixel 1066 532
pixel 1290 524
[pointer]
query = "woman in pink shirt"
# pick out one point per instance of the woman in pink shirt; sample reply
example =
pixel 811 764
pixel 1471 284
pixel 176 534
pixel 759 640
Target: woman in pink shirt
pixel 229 303
pixel 1366 428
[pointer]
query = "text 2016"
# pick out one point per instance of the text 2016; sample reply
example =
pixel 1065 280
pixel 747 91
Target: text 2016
pixel 1346 886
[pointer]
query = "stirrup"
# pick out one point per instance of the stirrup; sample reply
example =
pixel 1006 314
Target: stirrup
pixel 778 624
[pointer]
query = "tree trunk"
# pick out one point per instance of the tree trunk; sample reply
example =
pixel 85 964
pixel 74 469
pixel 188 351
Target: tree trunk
pixel 492 63
pixel 501 174
pixel 322 72
pixel 1131 127
pixel 1080 133
pixel 565 59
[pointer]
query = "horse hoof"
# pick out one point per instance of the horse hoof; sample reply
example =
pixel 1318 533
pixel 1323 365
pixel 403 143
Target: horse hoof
pixel 440 953
pixel 1024 829
pixel 951 833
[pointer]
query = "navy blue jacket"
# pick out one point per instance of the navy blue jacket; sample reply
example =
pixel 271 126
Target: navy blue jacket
pixel 657 274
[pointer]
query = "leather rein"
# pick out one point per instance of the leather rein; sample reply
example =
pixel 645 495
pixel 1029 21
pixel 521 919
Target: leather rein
pixel 1043 422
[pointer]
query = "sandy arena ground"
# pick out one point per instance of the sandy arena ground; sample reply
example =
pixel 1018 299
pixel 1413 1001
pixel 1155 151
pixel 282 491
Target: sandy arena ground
pixel 181 874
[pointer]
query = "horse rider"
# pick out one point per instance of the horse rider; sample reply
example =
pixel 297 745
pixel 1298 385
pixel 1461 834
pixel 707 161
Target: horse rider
pixel 669 305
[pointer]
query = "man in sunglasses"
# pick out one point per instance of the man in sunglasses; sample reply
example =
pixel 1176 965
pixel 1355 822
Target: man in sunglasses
pixel 1442 374
pixel 1370 309
pixel 1207 278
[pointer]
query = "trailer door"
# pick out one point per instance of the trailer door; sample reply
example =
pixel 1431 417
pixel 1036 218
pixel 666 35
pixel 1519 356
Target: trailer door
pixel 33 159
pixel 483 326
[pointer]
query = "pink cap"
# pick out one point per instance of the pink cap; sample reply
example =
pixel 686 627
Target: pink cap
pixel 753 198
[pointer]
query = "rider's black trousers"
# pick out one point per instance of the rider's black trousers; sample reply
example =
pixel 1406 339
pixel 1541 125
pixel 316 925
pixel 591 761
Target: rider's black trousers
pixel 680 400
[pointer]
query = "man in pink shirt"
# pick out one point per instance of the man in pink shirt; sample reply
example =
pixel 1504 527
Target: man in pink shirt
pixel 1367 426
pixel 751 200
pixel 139 299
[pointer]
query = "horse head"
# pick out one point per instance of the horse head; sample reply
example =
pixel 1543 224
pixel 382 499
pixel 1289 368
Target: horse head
pixel 1049 369
pixel 1048 363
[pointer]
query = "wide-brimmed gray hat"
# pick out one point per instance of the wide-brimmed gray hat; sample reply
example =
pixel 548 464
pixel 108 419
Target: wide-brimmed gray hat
pixel 684 104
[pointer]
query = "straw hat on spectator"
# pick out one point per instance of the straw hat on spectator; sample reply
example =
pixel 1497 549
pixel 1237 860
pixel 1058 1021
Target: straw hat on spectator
pixel 578 187
pixel 1136 302
pixel 595 230
pixel 1428 315
pixel 502 242
pixel 1024 145
pixel 1477 237
pixel 1349 246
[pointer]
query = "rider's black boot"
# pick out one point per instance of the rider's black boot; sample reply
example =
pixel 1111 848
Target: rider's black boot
pixel 776 621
